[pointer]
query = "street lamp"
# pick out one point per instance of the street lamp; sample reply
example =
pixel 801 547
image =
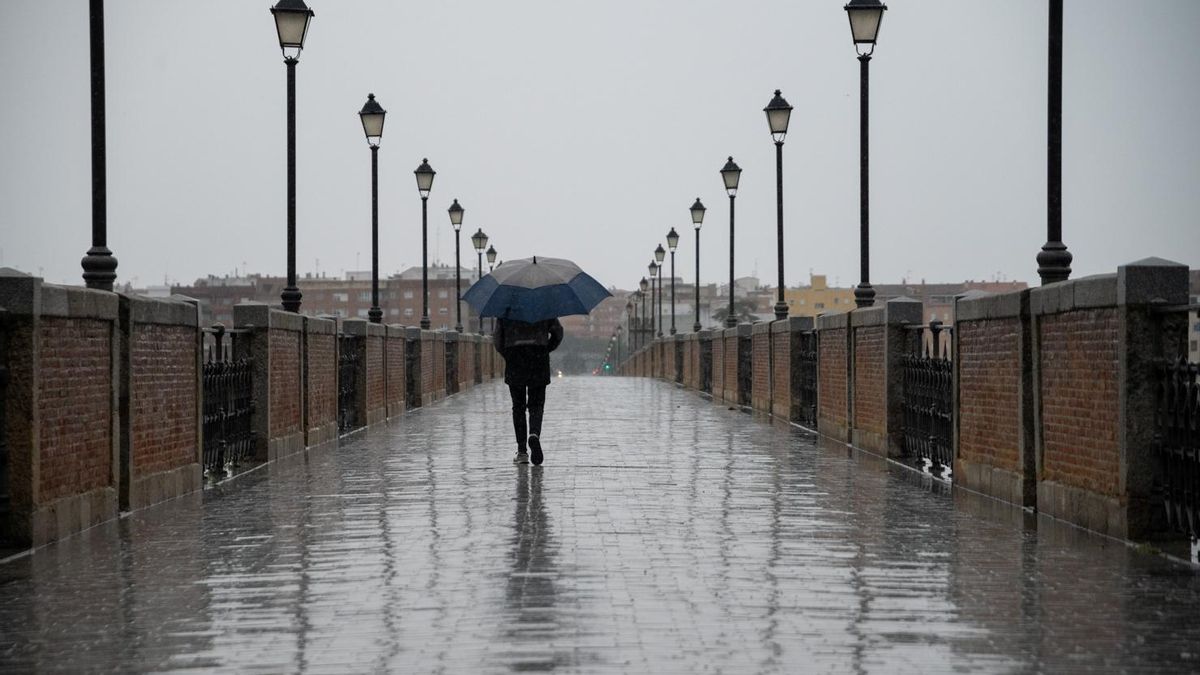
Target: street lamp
pixel 491 256
pixel 697 220
pixel 659 255
pixel 865 17
pixel 99 265
pixel 644 285
pixel 672 243
pixel 731 174
pixel 653 268
pixel 778 114
pixel 291 23
pixel 479 240
pixel 424 174
pixel 456 215
pixel 371 116
pixel 1054 260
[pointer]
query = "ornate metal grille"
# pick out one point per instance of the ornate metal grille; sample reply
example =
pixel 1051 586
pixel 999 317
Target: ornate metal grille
pixel 1177 437
pixel 705 347
pixel 929 400
pixel 804 388
pixel 349 359
pixel 228 403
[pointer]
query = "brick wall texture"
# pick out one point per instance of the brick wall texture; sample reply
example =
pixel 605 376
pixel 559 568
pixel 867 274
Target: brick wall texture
pixel 428 357
pixel 832 388
pixel 466 363
pixel 19 411
pixel 1080 399
pixel 375 374
pixel 322 379
pixel 76 406
pixel 718 366
pixel 781 385
pixel 689 364
pixel 760 360
pixel 163 398
pixel 395 370
pixel 989 371
pixel 730 364
pixel 285 382
pixel 869 379
pixel 439 365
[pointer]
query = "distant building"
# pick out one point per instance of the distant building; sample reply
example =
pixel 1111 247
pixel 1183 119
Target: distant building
pixel 818 298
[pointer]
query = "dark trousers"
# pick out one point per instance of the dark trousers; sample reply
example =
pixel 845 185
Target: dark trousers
pixel 533 400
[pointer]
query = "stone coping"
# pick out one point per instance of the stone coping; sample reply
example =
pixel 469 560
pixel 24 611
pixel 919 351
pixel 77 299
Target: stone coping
pixel 427 335
pixel 262 315
pixel 793 324
pixel 740 330
pixel 833 321
pixel 760 328
pixel 1091 292
pixel 891 313
pixel 163 311
pixel 705 334
pixel 21 293
pixel 449 336
pixel 321 326
pixel 979 305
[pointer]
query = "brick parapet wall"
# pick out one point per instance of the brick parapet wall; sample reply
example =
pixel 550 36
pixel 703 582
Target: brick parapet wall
pixel 729 361
pixel 993 374
pixel 276 344
pixel 785 343
pixel 760 363
pixel 880 341
pixel 320 377
pixel 833 376
pixel 717 355
pixel 394 346
pixel 160 377
pixel 1095 341
pixel 61 419
pixel 869 387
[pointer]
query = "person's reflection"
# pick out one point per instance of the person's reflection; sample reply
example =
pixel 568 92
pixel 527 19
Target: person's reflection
pixel 530 595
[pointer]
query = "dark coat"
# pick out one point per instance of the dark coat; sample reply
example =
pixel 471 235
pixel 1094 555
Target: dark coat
pixel 527 365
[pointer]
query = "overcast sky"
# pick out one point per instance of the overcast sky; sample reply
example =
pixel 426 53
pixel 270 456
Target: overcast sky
pixel 586 130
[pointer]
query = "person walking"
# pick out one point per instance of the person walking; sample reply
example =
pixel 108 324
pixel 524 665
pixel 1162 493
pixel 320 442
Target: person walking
pixel 526 350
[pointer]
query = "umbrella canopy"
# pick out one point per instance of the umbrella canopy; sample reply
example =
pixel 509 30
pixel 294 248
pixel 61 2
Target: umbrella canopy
pixel 535 289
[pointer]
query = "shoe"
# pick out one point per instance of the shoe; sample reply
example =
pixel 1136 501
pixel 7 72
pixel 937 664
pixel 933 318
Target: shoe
pixel 535 450
pixel 522 457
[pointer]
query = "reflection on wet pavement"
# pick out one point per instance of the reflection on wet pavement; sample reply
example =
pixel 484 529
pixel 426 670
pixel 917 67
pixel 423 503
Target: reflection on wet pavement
pixel 664 534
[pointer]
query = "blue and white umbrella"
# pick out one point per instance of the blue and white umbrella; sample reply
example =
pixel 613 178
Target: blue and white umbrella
pixel 535 289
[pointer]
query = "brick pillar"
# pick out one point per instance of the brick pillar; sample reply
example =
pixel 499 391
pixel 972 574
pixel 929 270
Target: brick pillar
pixel 993 372
pixel 745 364
pixel 450 356
pixel 61 408
pixel 1096 341
pixel 372 405
pixel 786 344
pixel 395 364
pixel 878 342
pixel 320 380
pixel 760 360
pixel 705 342
pixel 275 346
pixel 161 400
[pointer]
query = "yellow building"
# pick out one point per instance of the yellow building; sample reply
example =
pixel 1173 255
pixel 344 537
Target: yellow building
pixel 818 298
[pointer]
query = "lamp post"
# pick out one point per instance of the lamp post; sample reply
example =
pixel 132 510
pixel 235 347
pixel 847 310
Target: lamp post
pixel 99 265
pixel 731 174
pixel 672 243
pixel 778 113
pixel 424 174
pixel 653 269
pixel 697 220
pixel 865 17
pixel 643 285
pixel 291 23
pixel 491 258
pixel 1054 260
pixel 372 116
pixel 659 255
pixel 479 240
pixel 456 216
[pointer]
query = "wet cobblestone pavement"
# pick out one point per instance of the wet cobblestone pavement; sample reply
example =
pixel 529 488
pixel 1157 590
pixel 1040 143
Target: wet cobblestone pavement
pixel 664 534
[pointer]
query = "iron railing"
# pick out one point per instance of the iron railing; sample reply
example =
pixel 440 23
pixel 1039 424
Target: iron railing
pixel 745 372
pixel 5 491
pixel 929 399
pixel 228 390
pixel 804 388
pixel 349 358
pixel 1177 425
pixel 706 364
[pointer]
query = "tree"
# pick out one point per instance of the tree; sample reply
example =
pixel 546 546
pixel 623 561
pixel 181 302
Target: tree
pixel 744 310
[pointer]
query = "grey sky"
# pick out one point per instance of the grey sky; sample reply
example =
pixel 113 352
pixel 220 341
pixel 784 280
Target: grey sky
pixel 585 130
